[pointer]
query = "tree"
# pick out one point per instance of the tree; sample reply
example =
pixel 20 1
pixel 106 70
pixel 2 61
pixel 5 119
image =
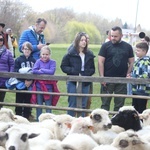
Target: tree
pixel 125 26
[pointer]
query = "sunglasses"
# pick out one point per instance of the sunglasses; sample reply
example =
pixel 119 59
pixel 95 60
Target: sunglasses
pixel 1 39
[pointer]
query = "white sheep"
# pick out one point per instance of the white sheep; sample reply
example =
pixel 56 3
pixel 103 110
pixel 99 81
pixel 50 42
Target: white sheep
pixel 58 125
pixel 79 141
pixel 16 138
pixel 6 115
pixel 20 119
pixel 45 116
pixel 105 147
pixel 145 116
pixel 129 140
pixel 100 120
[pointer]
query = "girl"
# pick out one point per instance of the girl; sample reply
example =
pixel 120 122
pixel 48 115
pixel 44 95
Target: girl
pixel 78 61
pixel 44 65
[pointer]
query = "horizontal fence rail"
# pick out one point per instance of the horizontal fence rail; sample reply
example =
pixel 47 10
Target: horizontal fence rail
pixel 79 94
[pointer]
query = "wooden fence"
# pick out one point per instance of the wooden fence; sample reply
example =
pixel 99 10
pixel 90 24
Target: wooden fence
pixel 79 94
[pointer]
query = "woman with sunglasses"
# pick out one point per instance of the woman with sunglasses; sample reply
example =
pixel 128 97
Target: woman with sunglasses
pixel 6 65
pixel 79 61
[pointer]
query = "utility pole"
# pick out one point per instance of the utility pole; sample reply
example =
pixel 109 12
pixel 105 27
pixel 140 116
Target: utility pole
pixel 137 7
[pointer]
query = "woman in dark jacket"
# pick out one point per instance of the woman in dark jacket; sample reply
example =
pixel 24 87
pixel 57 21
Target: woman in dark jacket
pixel 6 65
pixel 79 61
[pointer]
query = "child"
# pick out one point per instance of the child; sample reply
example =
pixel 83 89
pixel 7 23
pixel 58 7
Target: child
pixel 6 65
pixel 141 70
pixel 25 61
pixel 44 65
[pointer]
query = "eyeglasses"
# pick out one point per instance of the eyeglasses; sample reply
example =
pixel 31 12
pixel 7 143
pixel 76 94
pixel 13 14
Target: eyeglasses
pixel 1 39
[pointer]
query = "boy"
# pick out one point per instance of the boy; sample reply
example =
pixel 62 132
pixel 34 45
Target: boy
pixel 24 62
pixel 141 70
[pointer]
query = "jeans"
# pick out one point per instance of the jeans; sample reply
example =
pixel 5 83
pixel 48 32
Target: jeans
pixel 129 89
pixel 71 88
pixel 40 100
pixel 116 88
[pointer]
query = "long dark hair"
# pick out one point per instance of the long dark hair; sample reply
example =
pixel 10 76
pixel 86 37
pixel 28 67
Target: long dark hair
pixel 77 40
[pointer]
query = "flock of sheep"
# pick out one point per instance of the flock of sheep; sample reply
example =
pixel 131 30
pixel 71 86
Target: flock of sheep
pixel 127 130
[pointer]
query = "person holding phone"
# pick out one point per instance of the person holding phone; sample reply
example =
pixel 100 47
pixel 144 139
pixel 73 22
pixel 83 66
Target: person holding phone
pixel 35 36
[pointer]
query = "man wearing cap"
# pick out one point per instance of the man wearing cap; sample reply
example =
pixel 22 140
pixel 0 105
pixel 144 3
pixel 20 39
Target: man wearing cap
pixel 7 38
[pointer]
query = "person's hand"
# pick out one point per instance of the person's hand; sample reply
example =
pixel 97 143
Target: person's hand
pixel 39 46
pixel 128 75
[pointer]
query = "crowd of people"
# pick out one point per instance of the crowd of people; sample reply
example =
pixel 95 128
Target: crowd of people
pixel 115 59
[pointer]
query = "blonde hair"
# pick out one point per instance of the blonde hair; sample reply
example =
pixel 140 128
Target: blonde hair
pixel 45 47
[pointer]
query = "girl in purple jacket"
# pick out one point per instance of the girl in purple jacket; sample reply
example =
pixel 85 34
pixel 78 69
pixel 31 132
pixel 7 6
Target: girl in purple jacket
pixel 6 65
pixel 44 65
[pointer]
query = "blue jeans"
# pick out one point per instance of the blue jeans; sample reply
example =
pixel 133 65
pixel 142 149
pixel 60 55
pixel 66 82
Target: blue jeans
pixel 40 100
pixel 71 88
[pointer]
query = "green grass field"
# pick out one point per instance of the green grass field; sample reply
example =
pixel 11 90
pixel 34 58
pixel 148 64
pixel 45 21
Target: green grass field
pixel 58 51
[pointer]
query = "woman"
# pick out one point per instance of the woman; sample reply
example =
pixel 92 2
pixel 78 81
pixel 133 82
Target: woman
pixel 78 61
pixel 6 65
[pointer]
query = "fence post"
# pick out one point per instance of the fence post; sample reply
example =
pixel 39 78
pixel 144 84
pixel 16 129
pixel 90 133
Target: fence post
pixel 79 98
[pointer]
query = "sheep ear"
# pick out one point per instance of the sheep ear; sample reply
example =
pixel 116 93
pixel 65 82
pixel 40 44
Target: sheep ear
pixel 91 116
pixel 3 136
pixel 91 128
pixel 24 137
pixel 33 135
pixel 136 142
pixel 68 125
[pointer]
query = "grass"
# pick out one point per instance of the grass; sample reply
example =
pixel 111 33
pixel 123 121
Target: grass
pixel 58 51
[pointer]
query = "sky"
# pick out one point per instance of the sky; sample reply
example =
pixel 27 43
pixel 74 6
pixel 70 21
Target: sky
pixel 133 12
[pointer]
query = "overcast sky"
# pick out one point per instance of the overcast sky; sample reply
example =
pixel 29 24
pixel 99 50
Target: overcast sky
pixel 110 9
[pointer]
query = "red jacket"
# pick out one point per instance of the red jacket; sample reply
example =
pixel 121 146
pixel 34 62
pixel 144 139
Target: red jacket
pixel 43 83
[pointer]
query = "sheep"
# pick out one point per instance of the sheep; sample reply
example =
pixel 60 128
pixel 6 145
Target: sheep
pixel 58 125
pixel 6 115
pixel 127 118
pixel 80 125
pixel 100 120
pixel 45 116
pixel 57 145
pixel 129 140
pixel 105 147
pixel 20 119
pixel 16 139
pixel 145 116
pixel 79 141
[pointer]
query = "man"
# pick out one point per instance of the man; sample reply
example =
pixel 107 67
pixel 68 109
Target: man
pixel 7 38
pixel 115 59
pixel 35 36
pixel 13 40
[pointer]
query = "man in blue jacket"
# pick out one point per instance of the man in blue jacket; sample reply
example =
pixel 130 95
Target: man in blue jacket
pixel 35 36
